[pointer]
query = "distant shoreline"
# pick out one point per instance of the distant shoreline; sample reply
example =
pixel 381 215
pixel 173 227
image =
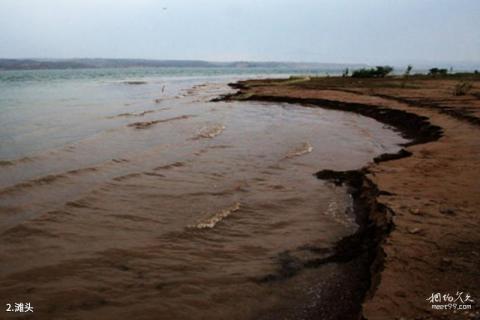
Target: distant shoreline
pixel 60 64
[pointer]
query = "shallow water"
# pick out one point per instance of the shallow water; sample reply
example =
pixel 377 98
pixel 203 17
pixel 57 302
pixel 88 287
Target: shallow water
pixel 148 201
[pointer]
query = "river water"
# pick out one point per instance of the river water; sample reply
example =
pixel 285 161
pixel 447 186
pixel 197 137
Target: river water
pixel 132 196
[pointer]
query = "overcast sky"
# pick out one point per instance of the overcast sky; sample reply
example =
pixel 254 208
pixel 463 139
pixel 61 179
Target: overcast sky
pixel 371 31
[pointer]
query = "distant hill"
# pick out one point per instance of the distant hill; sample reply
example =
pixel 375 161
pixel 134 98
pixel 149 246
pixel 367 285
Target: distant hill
pixel 36 64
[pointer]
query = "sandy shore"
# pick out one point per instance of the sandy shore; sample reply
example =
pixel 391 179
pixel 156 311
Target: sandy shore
pixel 431 243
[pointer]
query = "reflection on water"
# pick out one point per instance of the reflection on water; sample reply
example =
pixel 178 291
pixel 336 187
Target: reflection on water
pixel 166 206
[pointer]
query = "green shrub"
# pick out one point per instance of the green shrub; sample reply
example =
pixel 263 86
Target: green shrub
pixel 438 72
pixel 377 72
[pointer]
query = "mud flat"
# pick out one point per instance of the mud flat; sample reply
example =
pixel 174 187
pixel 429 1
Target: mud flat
pixel 417 209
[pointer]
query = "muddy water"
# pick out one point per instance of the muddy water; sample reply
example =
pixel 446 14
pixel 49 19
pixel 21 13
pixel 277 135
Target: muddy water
pixel 175 207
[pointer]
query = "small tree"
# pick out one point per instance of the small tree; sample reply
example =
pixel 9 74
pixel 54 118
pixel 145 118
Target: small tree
pixel 406 75
pixel 407 72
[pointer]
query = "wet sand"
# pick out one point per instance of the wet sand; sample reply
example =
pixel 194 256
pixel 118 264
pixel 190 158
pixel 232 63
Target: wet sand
pixel 428 196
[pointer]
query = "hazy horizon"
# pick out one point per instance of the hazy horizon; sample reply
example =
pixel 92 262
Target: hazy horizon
pixel 458 66
pixel 366 31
